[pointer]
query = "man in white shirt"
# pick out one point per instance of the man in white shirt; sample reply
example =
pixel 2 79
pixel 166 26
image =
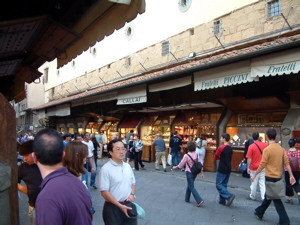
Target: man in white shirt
pixel 117 185
pixel 89 160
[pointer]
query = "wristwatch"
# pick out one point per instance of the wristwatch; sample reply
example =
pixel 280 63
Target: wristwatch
pixel 133 195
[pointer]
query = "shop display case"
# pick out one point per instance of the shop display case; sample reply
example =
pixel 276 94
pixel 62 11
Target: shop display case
pixel 89 127
pixel 109 128
pixel 240 125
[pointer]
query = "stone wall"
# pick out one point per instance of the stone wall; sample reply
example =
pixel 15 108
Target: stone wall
pixel 241 27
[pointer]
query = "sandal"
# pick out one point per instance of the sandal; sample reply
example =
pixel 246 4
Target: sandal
pixel 200 203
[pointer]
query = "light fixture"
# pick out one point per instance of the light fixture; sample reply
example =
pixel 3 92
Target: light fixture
pixel 192 55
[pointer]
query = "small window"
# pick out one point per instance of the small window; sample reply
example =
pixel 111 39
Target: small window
pixel 73 64
pixel 273 8
pixel 192 31
pixel 129 32
pixel 128 62
pixel 217 27
pixel 108 66
pixel 57 73
pixel 184 5
pixel 93 51
pixel 46 71
pixel 165 48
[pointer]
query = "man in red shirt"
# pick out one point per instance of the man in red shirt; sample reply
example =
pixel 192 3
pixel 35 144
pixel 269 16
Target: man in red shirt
pixel 254 156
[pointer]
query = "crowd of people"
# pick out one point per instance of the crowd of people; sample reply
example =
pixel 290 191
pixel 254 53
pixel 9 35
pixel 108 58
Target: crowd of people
pixel 56 173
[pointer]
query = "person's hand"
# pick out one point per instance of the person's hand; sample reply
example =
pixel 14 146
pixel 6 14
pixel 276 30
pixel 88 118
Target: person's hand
pixel 252 178
pixel 292 180
pixel 93 170
pixel 248 171
pixel 124 209
pixel 130 198
pixel 202 176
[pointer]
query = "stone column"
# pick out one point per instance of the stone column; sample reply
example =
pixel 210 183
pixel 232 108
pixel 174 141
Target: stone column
pixel 9 205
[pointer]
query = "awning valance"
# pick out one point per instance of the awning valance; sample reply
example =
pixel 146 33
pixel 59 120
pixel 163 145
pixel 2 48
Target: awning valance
pixel 96 98
pixel 134 95
pixel 171 84
pixel 130 121
pixel 60 110
pixel 285 62
pixel 223 76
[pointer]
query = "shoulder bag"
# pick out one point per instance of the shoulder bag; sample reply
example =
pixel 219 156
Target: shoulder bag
pixel 275 189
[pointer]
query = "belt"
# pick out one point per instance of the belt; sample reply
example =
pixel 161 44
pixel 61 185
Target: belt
pixel 123 202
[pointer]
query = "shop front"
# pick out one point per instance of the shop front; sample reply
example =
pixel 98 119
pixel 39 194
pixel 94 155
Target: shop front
pixel 152 125
pixel 190 124
pixel 242 124
pixel 109 127
pixel 128 123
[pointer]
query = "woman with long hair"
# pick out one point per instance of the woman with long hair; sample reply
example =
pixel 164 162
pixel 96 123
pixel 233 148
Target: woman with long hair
pixel 75 158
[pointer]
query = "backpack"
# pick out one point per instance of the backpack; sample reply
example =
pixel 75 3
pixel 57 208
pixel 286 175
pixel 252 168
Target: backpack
pixel 197 166
pixel 294 163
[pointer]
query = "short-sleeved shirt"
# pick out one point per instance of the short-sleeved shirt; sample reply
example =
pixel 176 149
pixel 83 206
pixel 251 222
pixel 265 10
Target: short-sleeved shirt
pixel 63 200
pixel 224 154
pixel 254 154
pixel 31 175
pixel 175 143
pixel 160 145
pixel 117 179
pixel 90 148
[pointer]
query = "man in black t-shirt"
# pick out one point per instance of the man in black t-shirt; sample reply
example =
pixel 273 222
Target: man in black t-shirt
pixel 30 174
pixel 175 146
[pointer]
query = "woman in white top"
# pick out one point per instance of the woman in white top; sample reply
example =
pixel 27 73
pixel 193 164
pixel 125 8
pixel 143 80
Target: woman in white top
pixel 201 147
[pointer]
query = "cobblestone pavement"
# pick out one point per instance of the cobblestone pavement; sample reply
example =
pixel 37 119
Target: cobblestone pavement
pixel 161 194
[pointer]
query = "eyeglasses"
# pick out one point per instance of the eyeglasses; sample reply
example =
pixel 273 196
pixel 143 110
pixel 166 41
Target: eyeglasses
pixel 119 149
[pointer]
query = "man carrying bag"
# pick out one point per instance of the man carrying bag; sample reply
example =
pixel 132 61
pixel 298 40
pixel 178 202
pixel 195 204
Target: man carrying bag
pixel 273 159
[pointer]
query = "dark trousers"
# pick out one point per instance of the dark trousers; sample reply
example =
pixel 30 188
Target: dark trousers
pixel 138 160
pixel 289 191
pixel 283 217
pixel 113 215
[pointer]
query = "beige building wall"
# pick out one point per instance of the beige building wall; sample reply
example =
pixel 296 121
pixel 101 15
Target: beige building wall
pixel 241 26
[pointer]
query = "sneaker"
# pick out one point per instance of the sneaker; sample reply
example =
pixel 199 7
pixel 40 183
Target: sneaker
pixel 133 168
pixel 165 170
pixel 143 168
pixel 222 202
pixel 94 186
pixel 249 198
pixel 182 170
pixel 257 215
pixel 289 201
pixel 230 200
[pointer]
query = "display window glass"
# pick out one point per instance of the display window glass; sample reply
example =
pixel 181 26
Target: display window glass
pixel 241 125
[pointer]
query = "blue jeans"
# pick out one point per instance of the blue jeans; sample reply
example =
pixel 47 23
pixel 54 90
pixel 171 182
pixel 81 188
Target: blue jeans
pixel 221 185
pixel 93 175
pixel 191 189
pixel 176 158
pixel 85 177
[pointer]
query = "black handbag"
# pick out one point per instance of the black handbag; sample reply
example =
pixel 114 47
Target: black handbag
pixel 133 211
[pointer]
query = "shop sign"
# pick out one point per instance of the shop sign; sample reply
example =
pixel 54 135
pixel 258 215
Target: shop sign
pixel 224 81
pixel 276 69
pixel 133 100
